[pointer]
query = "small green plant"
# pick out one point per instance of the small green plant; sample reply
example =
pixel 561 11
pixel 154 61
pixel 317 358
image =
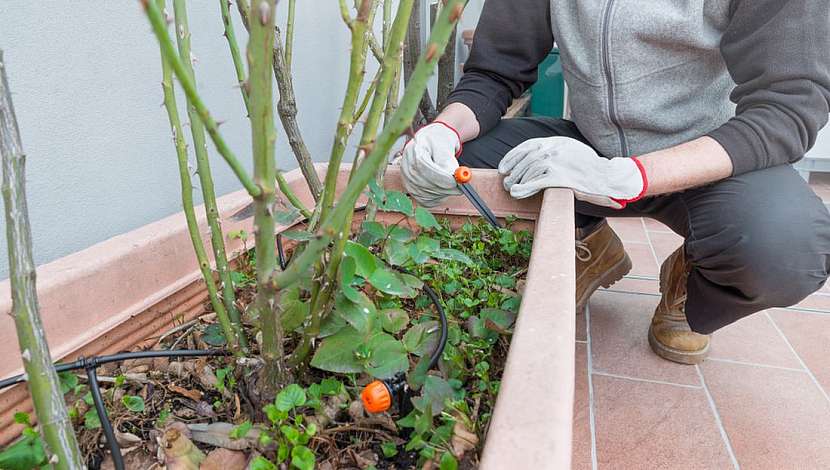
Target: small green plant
pixel 27 452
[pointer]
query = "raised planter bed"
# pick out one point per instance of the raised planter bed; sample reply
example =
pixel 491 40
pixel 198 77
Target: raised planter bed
pixel 125 291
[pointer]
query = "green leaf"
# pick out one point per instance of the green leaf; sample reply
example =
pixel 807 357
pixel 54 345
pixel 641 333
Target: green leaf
pixel 453 255
pixel 274 415
pixel 240 431
pixel 348 268
pixel 366 262
pixel 389 449
pixel 411 281
pixel 25 454
pixel 302 457
pixel 394 320
pixel 396 252
pixel 400 234
pixel 331 325
pixel 427 245
pixel 133 403
pixel 331 387
pixel 423 422
pixel 261 463
pixel 213 336
pixel 501 319
pixel 397 201
pixel 360 315
pixel 418 256
pixel 422 338
pixel 291 433
pixel 294 314
pixel 425 219
pixel 436 391
pixel 297 235
pixel 287 217
pixel 91 420
pixel 372 232
pixel 448 462
pixel 336 353
pixel 68 381
pixel 390 283
pixel 290 397
pixel 388 356
pixel 23 418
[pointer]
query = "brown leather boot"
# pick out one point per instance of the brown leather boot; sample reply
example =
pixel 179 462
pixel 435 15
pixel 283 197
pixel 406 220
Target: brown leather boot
pixel 601 260
pixel 669 335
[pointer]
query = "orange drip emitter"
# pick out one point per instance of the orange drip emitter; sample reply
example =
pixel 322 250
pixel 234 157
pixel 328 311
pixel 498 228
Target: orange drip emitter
pixel 380 395
pixel 463 175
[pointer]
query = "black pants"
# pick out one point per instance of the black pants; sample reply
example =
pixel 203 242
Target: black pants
pixel 755 241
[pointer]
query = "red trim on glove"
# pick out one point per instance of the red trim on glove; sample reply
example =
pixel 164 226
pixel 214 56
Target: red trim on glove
pixel 457 134
pixel 625 202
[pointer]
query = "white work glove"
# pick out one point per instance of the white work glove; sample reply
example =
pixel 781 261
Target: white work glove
pixel 429 163
pixel 563 162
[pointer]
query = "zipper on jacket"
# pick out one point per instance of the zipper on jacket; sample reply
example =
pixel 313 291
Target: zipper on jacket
pixel 606 65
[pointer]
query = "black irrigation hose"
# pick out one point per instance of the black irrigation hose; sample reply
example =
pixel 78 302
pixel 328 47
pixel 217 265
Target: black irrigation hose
pixel 91 364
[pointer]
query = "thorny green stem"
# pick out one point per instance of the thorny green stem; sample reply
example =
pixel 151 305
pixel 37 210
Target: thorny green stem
pixel 359 27
pixel 42 380
pixel 391 105
pixel 157 21
pixel 335 227
pixel 237 340
pixel 263 134
pixel 287 108
pixel 238 65
pixel 289 34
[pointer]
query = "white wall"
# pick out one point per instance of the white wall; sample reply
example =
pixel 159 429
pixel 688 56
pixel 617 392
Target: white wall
pixel 85 80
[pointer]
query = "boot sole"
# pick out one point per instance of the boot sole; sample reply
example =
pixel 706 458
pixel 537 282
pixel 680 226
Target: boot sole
pixel 675 355
pixel 611 277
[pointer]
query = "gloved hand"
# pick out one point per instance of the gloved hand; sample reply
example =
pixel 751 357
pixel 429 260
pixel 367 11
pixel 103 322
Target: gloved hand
pixel 429 163
pixel 563 162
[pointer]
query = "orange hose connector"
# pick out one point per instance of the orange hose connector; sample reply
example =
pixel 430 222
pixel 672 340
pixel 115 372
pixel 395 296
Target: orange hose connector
pixel 463 175
pixel 376 397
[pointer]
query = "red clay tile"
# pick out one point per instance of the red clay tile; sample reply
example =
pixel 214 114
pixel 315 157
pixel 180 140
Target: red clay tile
pixel 774 418
pixel 642 258
pixel 665 244
pixel 816 302
pixel 619 344
pixel 581 450
pixel 642 286
pixel 643 425
pixel 630 229
pixel 753 339
pixel 809 335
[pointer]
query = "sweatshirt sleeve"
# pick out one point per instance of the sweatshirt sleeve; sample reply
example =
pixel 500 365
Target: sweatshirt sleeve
pixel 511 39
pixel 777 54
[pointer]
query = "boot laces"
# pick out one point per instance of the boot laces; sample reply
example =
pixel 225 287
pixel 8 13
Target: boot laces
pixel 583 253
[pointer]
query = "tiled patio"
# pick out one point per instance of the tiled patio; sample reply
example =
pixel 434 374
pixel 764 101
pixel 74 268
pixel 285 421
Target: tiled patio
pixel 761 401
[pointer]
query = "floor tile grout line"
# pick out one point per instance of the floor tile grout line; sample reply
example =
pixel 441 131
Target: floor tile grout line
pixel 807 310
pixel 651 381
pixel 590 366
pixel 797 356
pixel 650 244
pixel 755 364
pixel 640 277
pixel 723 434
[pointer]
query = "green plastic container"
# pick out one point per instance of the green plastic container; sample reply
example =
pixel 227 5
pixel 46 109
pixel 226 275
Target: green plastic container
pixel 548 94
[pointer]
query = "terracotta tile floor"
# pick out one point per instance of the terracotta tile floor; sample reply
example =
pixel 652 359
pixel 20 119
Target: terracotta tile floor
pixel 762 400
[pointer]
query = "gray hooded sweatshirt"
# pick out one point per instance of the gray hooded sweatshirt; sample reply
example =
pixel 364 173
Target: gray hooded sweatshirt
pixel 645 75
